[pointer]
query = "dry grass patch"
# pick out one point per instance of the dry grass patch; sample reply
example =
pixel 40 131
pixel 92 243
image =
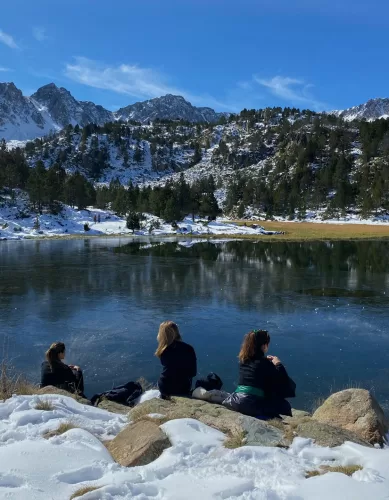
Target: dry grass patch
pixel 235 441
pixel 348 470
pixel 64 427
pixel 44 405
pixel 289 427
pixel 84 491
pixel 301 231
pixel 11 383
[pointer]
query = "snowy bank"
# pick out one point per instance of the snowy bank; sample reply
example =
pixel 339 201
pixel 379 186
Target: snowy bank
pixel 197 466
pixel 18 222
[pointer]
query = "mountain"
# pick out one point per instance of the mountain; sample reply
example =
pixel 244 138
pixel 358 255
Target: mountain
pixel 168 107
pixel 64 109
pixel 20 118
pixel 370 110
pixel 270 162
pixel 52 108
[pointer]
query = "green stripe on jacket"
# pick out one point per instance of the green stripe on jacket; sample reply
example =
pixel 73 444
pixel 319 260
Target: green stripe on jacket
pixel 247 389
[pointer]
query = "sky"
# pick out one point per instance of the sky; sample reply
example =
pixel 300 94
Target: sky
pixel 226 54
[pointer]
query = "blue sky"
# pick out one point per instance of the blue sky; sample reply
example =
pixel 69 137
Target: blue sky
pixel 227 54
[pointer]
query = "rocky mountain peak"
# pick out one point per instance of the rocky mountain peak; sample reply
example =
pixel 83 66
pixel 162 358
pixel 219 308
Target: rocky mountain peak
pixel 170 107
pixel 371 110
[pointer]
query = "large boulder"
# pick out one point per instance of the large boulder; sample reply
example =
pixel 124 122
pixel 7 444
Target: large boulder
pixel 50 389
pixel 139 443
pixel 355 410
pixel 233 424
pixel 324 434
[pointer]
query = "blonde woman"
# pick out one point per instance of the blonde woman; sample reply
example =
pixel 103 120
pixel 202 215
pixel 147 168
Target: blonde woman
pixel 178 359
pixel 55 372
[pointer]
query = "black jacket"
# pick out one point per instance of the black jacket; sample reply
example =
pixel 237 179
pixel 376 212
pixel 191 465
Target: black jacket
pixel 262 374
pixel 60 375
pixel 179 366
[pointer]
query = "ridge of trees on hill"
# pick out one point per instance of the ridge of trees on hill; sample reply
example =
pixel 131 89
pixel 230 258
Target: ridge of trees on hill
pixel 280 162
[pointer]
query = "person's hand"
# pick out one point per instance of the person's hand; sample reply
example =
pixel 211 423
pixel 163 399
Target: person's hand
pixel 74 367
pixel 276 361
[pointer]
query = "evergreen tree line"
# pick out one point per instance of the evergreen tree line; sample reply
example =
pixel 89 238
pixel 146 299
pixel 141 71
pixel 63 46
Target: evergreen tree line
pixel 171 202
pixel 46 187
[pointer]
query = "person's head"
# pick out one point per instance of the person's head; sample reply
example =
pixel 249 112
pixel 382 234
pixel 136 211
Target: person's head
pixel 255 344
pixel 56 352
pixel 168 332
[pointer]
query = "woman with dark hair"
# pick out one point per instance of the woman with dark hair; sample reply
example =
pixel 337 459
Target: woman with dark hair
pixel 263 381
pixel 55 372
pixel 178 360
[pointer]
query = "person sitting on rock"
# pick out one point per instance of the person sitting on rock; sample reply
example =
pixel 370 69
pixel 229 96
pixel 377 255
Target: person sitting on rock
pixel 263 381
pixel 55 372
pixel 178 359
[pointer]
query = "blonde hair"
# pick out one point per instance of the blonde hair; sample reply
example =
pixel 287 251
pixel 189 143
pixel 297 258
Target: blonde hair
pixel 168 332
pixel 53 352
pixel 252 345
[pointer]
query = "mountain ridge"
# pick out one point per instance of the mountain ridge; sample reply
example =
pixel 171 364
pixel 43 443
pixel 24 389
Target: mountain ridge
pixel 52 108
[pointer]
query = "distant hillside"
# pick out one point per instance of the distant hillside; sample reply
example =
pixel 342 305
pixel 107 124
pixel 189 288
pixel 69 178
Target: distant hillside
pixel 270 162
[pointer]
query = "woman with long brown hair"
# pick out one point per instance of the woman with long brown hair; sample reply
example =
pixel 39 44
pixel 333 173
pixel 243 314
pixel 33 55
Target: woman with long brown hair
pixel 178 359
pixel 55 372
pixel 263 381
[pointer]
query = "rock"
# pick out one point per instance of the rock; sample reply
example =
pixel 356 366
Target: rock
pixel 355 410
pixel 324 434
pixel 256 432
pixel 50 389
pixel 113 407
pixel 138 444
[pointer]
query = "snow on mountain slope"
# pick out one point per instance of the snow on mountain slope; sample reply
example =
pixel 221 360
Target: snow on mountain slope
pixel 64 109
pixel 52 108
pixel 20 118
pixel 373 109
pixel 171 107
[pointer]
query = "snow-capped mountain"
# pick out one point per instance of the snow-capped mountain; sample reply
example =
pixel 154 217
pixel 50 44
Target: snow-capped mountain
pixel 370 110
pixel 64 109
pixel 52 108
pixel 170 107
pixel 20 118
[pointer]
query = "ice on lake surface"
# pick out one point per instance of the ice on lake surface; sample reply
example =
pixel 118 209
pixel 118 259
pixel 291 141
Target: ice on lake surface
pixel 325 305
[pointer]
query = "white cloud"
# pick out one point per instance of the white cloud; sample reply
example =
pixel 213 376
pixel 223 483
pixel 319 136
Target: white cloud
pixel 8 40
pixel 4 70
pixel 132 80
pixel 39 33
pixel 293 90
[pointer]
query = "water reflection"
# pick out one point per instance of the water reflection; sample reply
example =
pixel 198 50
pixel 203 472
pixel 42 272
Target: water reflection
pixel 106 297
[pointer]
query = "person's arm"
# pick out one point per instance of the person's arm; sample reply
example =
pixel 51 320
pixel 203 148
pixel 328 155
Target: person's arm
pixel 280 383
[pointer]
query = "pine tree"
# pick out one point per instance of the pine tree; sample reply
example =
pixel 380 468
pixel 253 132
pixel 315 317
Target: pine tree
pixel 133 221
pixel 36 186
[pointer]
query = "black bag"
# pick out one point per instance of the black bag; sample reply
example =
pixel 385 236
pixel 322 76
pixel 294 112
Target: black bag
pixel 123 394
pixel 210 383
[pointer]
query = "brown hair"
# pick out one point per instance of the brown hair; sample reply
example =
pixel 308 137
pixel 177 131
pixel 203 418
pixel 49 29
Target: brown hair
pixel 252 345
pixel 168 332
pixel 53 351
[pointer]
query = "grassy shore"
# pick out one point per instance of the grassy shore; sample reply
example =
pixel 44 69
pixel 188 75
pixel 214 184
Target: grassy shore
pixel 309 231
pixel 294 231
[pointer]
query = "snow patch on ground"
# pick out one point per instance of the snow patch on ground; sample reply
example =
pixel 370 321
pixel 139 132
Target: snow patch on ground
pixel 17 222
pixel 196 466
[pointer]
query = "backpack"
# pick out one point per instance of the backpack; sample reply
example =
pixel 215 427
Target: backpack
pixel 123 394
pixel 210 383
